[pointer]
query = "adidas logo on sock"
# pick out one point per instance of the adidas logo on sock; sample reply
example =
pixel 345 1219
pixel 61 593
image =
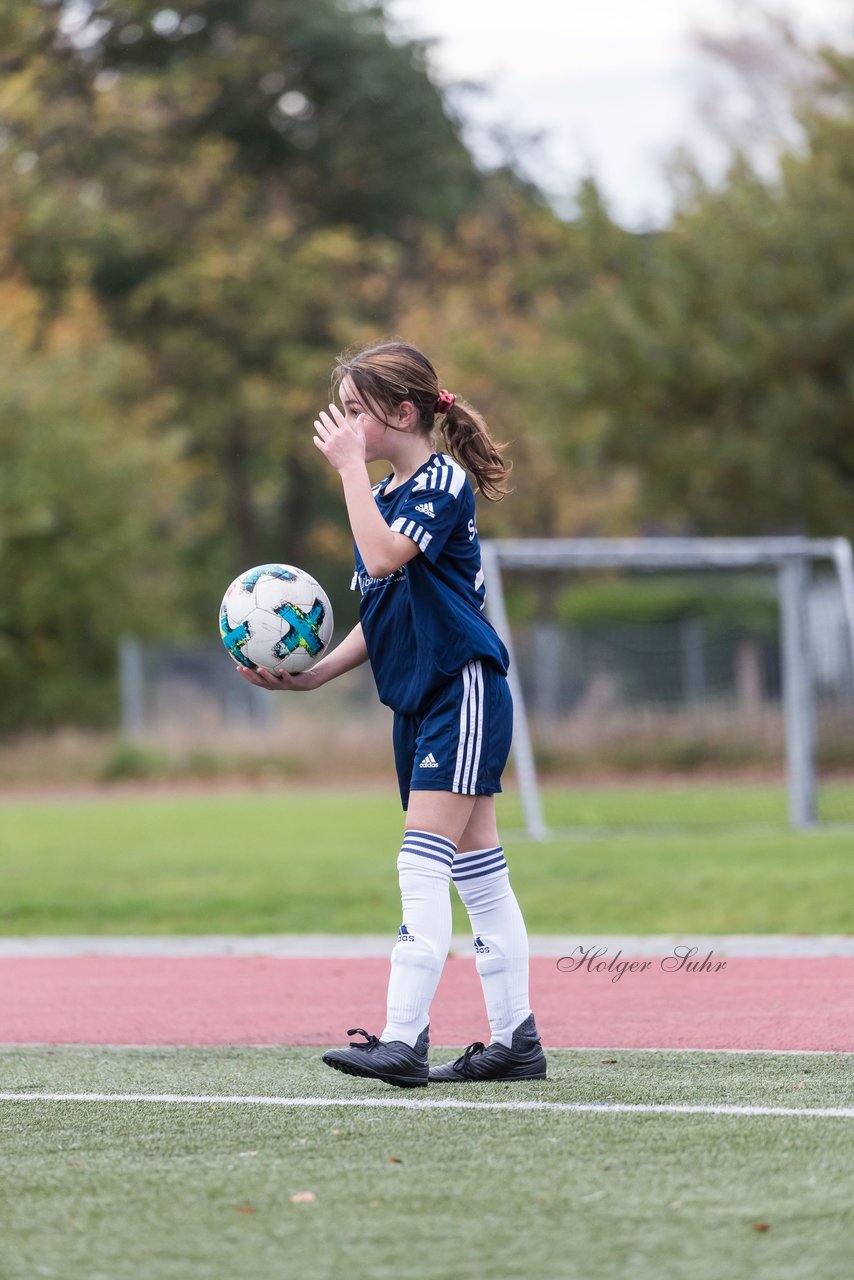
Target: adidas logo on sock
pixel 429 762
pixel 403 934
pixel 479 946
pixel 426 508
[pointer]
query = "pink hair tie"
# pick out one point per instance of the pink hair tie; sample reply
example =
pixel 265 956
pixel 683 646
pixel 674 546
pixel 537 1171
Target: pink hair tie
pixel 444 400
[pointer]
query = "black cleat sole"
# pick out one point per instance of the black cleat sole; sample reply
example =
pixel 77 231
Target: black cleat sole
pixel 400 1082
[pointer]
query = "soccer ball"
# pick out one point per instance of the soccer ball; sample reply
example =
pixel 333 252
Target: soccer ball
pixel 276 616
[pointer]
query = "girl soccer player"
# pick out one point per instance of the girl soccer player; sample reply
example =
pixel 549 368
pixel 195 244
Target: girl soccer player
pixel 441 667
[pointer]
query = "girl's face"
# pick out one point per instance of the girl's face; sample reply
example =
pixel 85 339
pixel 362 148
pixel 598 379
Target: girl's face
pixel 381 432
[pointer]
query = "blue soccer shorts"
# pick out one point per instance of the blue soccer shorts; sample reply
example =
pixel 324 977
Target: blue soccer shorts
pixel 461 741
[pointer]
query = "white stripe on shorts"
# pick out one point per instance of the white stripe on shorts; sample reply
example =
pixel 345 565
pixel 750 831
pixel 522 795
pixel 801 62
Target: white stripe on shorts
pixel 470 772
pixel 471 730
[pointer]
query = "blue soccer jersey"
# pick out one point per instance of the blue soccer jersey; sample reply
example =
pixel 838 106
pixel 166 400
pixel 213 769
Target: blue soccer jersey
pixel 424 622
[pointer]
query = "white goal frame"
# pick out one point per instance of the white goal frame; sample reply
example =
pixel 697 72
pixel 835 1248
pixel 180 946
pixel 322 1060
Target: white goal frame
pixel 792 558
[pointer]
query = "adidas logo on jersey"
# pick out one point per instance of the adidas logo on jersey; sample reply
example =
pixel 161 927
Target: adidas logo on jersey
pixel 426 509
pixel 479 946
pixel 429 762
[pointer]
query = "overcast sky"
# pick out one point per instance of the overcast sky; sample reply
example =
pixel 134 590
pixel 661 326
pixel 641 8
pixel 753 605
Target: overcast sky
pixel 613 83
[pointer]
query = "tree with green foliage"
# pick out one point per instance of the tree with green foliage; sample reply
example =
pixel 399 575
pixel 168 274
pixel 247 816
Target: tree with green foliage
pixel 90 494
pixel 200 205
pixel 237 182
pixel 720 360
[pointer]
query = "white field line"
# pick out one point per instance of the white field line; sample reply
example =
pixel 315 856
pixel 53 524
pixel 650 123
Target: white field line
pixel 443 1104
pixel 586 1048
pixel 361 946
pixel 15 1046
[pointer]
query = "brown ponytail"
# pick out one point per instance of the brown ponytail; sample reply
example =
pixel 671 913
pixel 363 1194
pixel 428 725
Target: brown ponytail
pixel 467 436
pixel 386 375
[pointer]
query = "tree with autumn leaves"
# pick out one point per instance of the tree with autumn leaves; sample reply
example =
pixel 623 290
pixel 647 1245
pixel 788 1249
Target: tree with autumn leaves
pixel 201 205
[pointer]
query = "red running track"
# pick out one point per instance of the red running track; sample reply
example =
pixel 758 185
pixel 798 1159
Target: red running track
pixel 752 1003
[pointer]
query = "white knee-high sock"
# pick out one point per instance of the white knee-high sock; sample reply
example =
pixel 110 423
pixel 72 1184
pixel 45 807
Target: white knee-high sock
pixel 424 871
pixel 500 938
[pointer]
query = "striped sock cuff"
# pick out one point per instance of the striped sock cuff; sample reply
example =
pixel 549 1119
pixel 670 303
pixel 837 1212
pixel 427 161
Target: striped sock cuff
pixel 483 862
pixel 424 844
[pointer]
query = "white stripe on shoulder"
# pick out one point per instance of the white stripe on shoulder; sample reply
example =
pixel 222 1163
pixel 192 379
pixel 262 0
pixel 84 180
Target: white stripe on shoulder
pixel 454 476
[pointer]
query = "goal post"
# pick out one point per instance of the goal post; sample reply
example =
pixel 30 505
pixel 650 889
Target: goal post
pixel 790 557
pixel 523 752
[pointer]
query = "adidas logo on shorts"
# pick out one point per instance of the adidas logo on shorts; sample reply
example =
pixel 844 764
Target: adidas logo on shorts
pixel 429 762
pixel 426 509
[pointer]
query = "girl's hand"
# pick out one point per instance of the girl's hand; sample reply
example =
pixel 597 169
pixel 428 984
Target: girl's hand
pixel 341 441
pixel 281 681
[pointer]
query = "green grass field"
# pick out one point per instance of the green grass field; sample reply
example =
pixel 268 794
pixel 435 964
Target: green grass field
pixel 703 859
pixel 118 1190
pixel 202 1191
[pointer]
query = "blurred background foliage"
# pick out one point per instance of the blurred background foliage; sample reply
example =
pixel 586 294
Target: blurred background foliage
pixel 201 205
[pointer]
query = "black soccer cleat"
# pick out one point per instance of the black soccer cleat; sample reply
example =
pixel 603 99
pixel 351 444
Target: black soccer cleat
pixel 392 1061
pixel 524 1060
